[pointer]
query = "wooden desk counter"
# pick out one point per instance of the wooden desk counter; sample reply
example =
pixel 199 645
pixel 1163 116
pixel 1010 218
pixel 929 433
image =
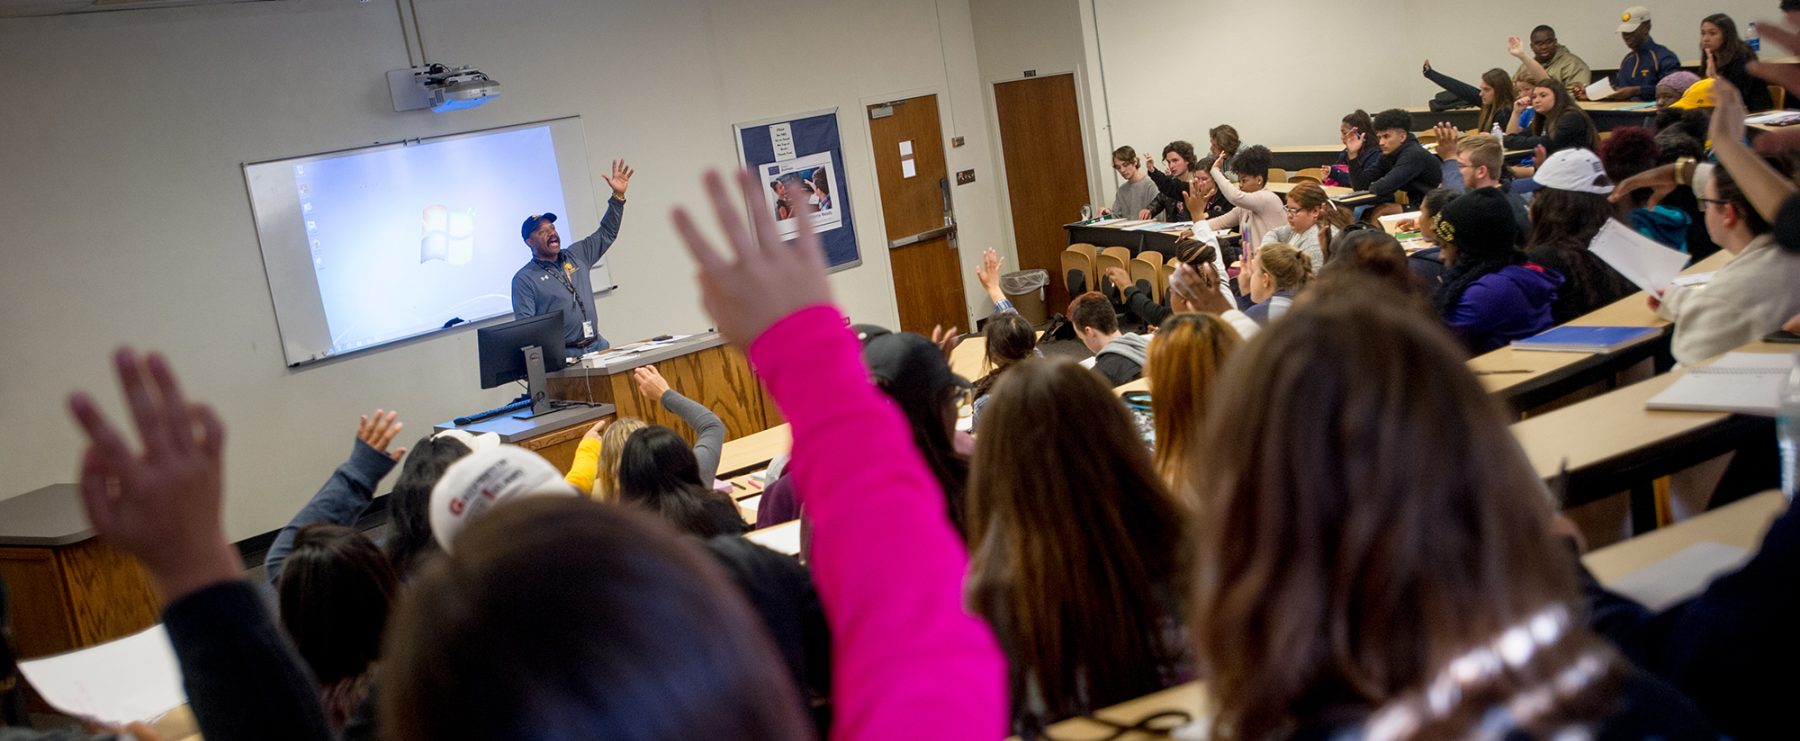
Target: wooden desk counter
pixel 555 436
pixel 754 451
pixel 68 590
pixel 1611 440
pixel 1739 524
pixel 703 368
pixel 969 359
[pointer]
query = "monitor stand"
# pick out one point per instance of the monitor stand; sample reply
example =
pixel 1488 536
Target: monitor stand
pixel 535 385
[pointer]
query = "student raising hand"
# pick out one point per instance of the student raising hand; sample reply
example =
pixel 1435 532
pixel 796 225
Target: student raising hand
pixel 761 278
pixel 161 503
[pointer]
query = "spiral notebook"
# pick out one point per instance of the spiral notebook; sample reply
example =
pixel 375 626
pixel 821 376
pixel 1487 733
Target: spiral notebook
pixel 1740 383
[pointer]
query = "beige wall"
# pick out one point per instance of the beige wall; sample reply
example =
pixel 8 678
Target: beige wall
pixel 126 218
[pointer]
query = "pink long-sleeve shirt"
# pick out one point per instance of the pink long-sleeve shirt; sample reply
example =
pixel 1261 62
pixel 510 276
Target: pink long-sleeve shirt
pixel 908 661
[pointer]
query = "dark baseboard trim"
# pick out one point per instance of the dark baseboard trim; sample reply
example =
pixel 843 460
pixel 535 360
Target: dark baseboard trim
pixel 255 547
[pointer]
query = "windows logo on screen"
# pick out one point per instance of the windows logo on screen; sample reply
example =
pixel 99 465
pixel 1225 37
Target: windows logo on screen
pixel 447 234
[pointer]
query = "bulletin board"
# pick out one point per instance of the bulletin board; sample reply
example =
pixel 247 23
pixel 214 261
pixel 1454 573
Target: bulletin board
pixel 800 162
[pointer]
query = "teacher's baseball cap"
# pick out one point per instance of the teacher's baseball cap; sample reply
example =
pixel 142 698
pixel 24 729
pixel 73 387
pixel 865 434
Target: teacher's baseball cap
pixel 532 222
pixel 1633 17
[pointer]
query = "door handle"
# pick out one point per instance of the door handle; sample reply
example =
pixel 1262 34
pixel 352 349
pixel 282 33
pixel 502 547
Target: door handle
pixel 948 230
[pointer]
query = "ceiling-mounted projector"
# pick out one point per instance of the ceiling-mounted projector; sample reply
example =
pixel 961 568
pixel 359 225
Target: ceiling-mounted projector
pixel 440 88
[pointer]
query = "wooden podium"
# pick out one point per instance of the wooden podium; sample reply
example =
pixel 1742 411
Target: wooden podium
pixel 68 590
pixel 701 367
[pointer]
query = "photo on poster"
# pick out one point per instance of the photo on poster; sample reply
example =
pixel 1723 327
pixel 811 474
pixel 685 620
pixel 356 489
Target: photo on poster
pixel 803 185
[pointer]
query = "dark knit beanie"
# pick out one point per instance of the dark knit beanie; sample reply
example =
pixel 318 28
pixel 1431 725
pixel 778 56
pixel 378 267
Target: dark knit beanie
pixel 1479 224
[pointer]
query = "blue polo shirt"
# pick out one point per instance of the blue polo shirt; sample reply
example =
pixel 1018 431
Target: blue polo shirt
pixel 563 284
pixel 1646 67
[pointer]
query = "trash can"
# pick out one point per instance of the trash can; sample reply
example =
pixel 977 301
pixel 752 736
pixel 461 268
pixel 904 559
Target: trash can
pixel 1025 289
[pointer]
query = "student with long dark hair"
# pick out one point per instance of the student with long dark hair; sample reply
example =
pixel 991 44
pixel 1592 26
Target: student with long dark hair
pixel 595 470
pixel 1568 210
pixel 657 470
pixel 335 596
pixel 1356 126
pixel 1494 97
pixel 1491 294
pixel 1377 560
pixel 1559 124
pixel 1725 56
pixel 410 541
pixel 1073 534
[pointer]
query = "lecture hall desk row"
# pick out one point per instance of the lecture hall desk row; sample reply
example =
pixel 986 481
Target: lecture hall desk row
pixel 1740 525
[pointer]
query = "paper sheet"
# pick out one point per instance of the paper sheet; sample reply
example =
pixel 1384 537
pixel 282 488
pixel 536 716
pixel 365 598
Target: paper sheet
pixel 131 679
pixel 1599 89
pixel 783 538
pixel 1643 261
pixel 1680 576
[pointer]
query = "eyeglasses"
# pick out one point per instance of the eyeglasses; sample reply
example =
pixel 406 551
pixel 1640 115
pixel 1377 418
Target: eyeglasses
pixel 1291 210
pixel 1704 202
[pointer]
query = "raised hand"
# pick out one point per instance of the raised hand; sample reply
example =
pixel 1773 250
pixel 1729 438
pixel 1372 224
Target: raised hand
pixel 1149 163
pixel 1353 143
pixel 160 504
pixel 1515 46
pixel 1660 181
pixel 650 382
pixel 593 433
pixel 761 279
pixel 945 339
pixel 378 431
pixel 620 179
pixel 1728 113
pixel 989 272
pixel 1192 291
pixel 1118 277
pixel 1427 68
pixel 1447 139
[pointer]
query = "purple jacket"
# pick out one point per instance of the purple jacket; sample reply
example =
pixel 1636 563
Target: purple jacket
pixel 1509 304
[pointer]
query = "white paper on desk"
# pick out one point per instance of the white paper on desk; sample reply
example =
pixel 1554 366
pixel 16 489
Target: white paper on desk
pixel 1680 576
pixel 1599 89
pixel 783 538
pixel 1689 281
pixel 1642 260
pixel 135 678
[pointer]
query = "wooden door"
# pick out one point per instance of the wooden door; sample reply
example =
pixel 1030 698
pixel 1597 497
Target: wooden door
pixel 915 203
pixel 1046 170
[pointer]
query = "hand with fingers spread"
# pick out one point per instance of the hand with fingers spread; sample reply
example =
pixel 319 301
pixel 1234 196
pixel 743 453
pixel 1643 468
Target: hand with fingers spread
pixel 760 279
pixel 1192 291
pixel 378 431
pixel 989 274
pixel 650 382
pixel 620 179
pixel 1515 46
pixel 1448 137
pixel 162 503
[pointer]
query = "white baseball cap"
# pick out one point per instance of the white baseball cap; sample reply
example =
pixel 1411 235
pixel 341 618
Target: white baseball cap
pixel 483 479
pixel 1578 170
pixel 1633 17
pixel 477 441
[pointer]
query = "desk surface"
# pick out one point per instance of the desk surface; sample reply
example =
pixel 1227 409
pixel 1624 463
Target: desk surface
pixel 1331 191
pixel 511 430
pixel 46 517
pixel 754 450
pixel 1740 524
pixel 969 359
pixel 1547 368
pixel 622 363
pixel 1613 425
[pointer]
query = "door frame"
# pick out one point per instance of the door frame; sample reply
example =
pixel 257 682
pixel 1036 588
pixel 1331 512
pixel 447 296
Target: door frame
pixel 868 145
pixel 1002 190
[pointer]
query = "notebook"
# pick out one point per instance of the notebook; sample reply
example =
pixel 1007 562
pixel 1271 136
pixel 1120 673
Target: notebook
pixel 1587 339
pixel 1740 382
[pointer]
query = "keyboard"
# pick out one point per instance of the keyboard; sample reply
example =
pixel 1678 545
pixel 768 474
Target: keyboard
pixel 523 402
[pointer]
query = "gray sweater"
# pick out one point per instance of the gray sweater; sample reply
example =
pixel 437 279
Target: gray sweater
pixel 1134 197
pixel 709 432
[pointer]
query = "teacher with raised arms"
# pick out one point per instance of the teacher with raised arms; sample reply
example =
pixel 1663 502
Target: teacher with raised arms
pixel 557 278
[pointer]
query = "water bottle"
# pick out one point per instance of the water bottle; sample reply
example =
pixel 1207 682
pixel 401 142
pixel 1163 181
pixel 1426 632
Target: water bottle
pixel 1087 212
pixel 1752 38
pixel 1787 429
pixel 1499 134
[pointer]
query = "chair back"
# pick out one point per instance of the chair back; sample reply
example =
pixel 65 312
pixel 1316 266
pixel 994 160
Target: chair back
pixel 1078 268
pixel 1146 268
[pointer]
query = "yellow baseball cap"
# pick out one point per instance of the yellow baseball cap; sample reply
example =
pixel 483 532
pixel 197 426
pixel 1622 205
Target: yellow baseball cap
pixel 1698 95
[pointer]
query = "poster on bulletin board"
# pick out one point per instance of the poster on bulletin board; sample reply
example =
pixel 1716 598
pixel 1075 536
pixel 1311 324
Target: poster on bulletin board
pixel 800 161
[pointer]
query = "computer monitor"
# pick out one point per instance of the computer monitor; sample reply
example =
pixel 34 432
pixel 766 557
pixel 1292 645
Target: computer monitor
pixel 523 349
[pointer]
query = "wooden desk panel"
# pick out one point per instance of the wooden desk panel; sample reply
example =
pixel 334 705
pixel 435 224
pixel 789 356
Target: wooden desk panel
pixel 755 450
pixel 718 377
pixel 73 596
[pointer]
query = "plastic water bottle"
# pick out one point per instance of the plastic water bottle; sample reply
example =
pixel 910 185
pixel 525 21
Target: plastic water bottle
pixel 1499 133
pixel 1752 38
pixel 1787 429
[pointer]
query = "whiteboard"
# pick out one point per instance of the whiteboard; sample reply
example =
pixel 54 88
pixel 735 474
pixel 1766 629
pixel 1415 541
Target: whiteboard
pixel 374 245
